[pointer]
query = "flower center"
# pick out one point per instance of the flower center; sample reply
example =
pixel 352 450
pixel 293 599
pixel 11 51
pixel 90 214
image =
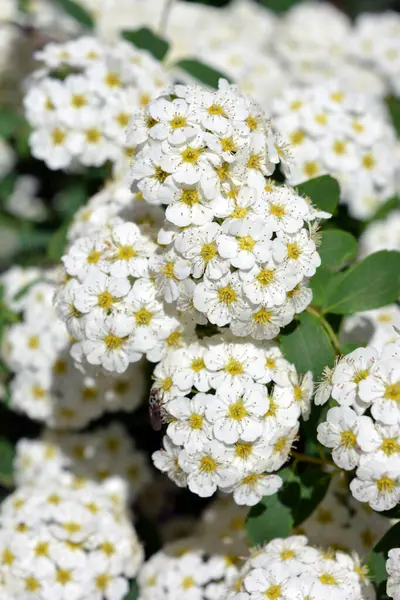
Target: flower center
pixel 216 110
pixel 237 411
pixel 31 584
pixel 166 384
pixel 38 392
pixel 143 317
pixel 392 392
pixel 33 342
pixel 273 592
pixel 390 446
pixel 122 119
pixel 105 300
pixel 311 168
pixel 240 212
pixel 339 147
pixel 208 251
pixel 227 295
pixel 266 277
pixel 196 421
pixel 58 136
pixel 262 317
pixel 160 175
pixel 126 253
pixel 348 439
pixel 360 375
pixel 321 119
pixel 358 127
pixel 246 243
pixel 287 554
pixel 178 122
pixel 296 105
pixel 254 162
pixel 93 257
pixel 243 450
pixel 188 582
pixel 102 581
pixel 63 576
pixel 234 367
pixel 385 484
pixel 298 393
pixel 190 197
pixel 252 479
pixel 112 80
pixel 277 210
pixel 297 137
pixel 368 161
pixel 208 464
pixel 42 549
pixel 252 123
pixel 93 135
pixel 78 100
pixel 191 155
pixel 327 579
pixel 168 270
pixel 112 341
pixel 228 145
pixel 198 364
pixel 324 516
pixel 89 393
pixel 174 339
pixel 293 251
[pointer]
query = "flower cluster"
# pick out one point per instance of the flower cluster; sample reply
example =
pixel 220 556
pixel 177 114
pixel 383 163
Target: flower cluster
pixel 377 327
pixel 393 569
pixel 347 135
pixel 287 569
pixel 233 410
pixel 106 455
pixel 381 235
pixel 80 103
pixel 234 243
pixel 59 542
pixel 47 386
pixel 367 381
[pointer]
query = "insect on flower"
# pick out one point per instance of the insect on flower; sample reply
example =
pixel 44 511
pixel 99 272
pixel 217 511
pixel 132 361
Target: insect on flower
pixel 155 400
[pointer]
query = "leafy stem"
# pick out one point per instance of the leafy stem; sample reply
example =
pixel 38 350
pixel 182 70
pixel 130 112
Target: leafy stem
pixel 327 327
pixel 312 459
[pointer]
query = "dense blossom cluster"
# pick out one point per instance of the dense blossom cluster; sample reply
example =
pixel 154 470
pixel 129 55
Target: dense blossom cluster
pixel 59 542
pixel 373 327
pixel 289 568
pixel 47 386
pixel 332 130
pixel 233 241
pixel 106 456
pixel 381 235
pixel 80 103
pixel 233 410
pixel 366 381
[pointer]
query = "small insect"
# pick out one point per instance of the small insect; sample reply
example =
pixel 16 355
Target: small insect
pixel 155 400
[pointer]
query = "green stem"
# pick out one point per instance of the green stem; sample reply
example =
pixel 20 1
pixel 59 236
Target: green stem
pixel 328 329
pixel 311 459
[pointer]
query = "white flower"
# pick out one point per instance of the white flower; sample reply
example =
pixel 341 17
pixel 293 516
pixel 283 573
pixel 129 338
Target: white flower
pixel 221 300
pixel 234 363
pixel 100 291
pixel 168 270
pixel 268 284
pixel 189 427
pixel 340 431
pixel 248 242
pixel 382 389
pixel 207 469
pixel 285 211
pixel 349 373
pixel 264 322
pixel 199 245
pixel 253 486
pixel 382 440
pixel 167 461
pixel 189 162
pixel 236 411
pixel 191 368
pixel 377 482
pixel 298 251
pixel 127 251
pixel 261 583
pixel 186 204
pixel 175 121
pixel 393 570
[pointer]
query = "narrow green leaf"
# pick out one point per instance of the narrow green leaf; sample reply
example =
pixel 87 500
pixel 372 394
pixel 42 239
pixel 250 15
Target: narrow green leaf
pixel 394 109
pixel 386 208
pixel 308 347
pixel 6 462
pixel 370 283
pixel 378 557
pixel 25 289
pixel 202 72
pixel 78 13
pixel 324 192
pixel 57 243
pixel 337 248
pixel 147 40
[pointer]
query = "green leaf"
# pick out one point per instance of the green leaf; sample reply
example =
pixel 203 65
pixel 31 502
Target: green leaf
pixel 348 347
pixel 278 5
pixel 319 285
pixel 202 72
pixel 25 289
pixel 378 557
pixel 394 109
pixel 77 12
pixel 386 208
pixel 9 122
pixel 71 199
pixel 370 283
pixel 57 243
pixel 133 591
pixel 314 485
pixel 147 40
pixel 324 192
pixel 308 346
pixel 337 248
pixel 6 462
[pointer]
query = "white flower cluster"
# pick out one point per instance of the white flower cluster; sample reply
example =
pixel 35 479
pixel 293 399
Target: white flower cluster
pixel 367 380
pixel 106 456
pixel 189 568
pixel 109 299
pixel 57 542
pixel 233 410
pixel 332 130
pixel 237 246
pixel 381 235
pixel 80 103
pixel 393 569
pixel 290 569
pixel 373 327
pixel 375 42
pixel 47 386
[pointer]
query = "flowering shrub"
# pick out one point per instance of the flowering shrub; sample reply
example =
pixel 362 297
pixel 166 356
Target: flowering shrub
pixel 199 301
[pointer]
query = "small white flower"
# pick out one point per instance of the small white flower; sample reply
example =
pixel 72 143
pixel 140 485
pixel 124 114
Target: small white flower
pixel 377 482
pixel 167 461
pixel 253 486
pixel 207 469
pixel 221 300
pixel 189 427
